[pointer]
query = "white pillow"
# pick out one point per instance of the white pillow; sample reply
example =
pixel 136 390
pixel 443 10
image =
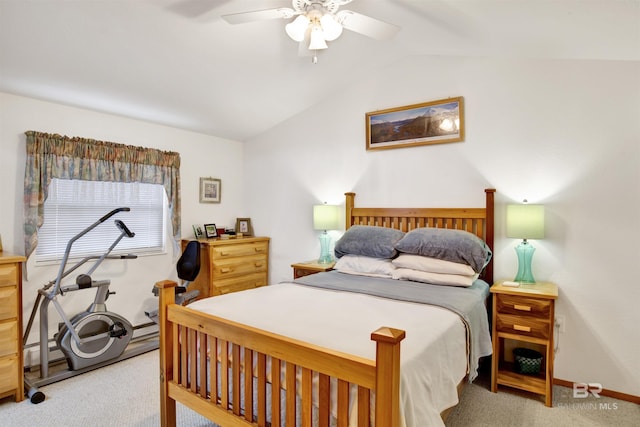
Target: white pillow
pixel 433 278
pixel 364 266
pixel 432 265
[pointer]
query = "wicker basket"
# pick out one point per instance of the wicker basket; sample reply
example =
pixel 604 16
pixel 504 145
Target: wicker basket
pixel 527 361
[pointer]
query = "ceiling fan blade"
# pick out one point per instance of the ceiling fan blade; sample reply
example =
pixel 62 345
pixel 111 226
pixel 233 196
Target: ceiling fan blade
pixel 366 25
pixel 259 15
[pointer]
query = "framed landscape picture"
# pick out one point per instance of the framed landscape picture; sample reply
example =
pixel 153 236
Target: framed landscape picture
pixel 434 122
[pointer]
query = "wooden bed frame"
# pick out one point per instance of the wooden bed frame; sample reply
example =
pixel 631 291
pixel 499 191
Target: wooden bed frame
pixel 189 337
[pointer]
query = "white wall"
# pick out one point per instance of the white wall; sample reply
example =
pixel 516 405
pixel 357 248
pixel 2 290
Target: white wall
pixel 562 133
pixel 201 156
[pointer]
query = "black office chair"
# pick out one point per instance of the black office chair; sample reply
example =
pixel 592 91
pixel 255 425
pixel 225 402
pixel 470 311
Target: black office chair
pixel 188 267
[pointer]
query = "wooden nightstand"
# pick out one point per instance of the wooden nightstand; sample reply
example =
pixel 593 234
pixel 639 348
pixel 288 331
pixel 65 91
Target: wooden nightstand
pixel 306 268
pixel 524 316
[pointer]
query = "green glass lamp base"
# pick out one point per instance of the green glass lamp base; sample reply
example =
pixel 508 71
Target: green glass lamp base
pixel 525 253
pixel 325 255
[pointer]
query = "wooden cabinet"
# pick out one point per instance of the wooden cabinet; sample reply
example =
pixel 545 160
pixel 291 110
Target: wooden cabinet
pixel 231 265
pixel 306 268
pixel 523 316
pixel 11 360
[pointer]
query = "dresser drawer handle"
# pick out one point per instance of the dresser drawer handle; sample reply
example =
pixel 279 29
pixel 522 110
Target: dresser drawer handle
pixel 258 264
pixel 224 254
pixel 522 307
pixel 259 249
pixel 522 328
pixel 225 270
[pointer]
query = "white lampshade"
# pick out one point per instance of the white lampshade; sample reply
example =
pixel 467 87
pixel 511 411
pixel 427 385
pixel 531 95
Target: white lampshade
pixel 525 221
pixel 330 27
pixel 326 217
pixel 297 28
pixel 317 38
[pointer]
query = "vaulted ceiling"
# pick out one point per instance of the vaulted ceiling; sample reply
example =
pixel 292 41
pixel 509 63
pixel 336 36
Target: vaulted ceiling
pixel 176 62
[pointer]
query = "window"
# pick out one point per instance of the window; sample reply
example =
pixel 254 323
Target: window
pixel 74 205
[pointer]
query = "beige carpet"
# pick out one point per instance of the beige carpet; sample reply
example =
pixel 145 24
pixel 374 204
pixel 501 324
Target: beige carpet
pixel 126 394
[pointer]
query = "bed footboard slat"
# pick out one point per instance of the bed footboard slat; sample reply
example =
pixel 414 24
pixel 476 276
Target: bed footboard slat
pixel 248 385
pixel 202 356
pixel 324 400
pixel 306 397
pixel 262 390
pixel 235 376
pixel 276 367
pixel 363 407
pixel 290 381
pixel 224 374
pixel 343 403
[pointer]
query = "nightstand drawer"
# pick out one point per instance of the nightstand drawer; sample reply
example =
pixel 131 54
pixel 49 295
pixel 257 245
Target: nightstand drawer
pixel 239 266
pixel 524 306
pixel 8 303
pixel 522 325
pixel 239 250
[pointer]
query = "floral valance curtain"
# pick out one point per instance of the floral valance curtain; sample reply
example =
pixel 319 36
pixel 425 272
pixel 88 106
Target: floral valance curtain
pixel 54 156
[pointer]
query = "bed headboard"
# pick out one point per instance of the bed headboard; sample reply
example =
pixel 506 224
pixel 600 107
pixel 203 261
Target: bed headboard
pixel 478 221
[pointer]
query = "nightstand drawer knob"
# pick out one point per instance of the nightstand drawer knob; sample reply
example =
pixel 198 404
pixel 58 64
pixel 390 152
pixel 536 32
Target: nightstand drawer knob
pixel 522 328
pixel 522 307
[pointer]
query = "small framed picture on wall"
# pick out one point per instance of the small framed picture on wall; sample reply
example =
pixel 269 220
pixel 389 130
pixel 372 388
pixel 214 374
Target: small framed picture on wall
pixel 210 190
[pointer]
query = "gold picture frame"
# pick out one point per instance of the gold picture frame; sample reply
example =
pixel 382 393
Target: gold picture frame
pixel 244 227
pixel 210 190
pixel 434 122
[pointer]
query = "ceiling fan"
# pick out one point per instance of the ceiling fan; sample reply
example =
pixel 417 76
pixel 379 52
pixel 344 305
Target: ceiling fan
pixel 318 21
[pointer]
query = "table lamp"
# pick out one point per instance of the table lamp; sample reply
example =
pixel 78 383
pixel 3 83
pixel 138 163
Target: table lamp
pixel 525 222
pixel 325 217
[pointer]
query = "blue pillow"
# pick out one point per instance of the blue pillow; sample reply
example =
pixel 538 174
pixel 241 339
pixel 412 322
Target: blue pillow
pixel 368 240
pixel 447 244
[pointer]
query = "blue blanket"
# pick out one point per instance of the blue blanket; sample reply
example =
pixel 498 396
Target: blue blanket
pixel 468 303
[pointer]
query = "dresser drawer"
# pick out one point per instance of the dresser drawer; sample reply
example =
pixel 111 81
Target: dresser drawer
pixel 522 325
pixel 239 250
pixel 8 339
pixel 8 302
pixel 9 374
pixel 9 275
pixel 239 266
pixel 240 283
pixel 524 306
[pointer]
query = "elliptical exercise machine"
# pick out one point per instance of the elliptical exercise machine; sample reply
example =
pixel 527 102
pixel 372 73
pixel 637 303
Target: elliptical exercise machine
pixel 93 338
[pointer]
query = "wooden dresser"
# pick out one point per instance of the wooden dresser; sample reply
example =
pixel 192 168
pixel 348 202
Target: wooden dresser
pixel 11 360
pixel 231 265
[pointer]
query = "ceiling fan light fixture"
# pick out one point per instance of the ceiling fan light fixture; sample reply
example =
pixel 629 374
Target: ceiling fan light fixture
pixel 297 28
pixel 317 41
pixel 331 28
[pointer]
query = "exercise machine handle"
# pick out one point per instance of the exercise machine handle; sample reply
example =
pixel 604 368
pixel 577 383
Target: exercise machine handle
pixel 112 213
pixel 122 226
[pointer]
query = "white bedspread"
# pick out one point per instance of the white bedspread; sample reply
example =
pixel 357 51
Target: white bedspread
pixel 433 354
